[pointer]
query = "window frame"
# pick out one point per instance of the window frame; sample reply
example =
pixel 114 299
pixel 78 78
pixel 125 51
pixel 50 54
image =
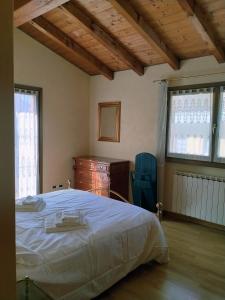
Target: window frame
pixel 40 128
pixel 216 141
pixel 216 104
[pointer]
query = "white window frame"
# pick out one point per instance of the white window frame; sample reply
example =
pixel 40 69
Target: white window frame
pixel 216 158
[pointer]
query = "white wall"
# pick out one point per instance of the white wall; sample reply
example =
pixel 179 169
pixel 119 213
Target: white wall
pixel 65 105
pixel 140 109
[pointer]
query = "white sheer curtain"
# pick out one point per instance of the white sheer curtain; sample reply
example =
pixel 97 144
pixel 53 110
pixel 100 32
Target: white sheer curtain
pixel 26 143
pixel 190 123
pixel 161 147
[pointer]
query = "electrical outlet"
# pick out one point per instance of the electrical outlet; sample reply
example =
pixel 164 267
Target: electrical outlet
pixel 57 187
pixel 60 187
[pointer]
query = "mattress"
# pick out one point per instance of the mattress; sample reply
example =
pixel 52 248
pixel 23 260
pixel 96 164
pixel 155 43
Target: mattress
pixel 81 264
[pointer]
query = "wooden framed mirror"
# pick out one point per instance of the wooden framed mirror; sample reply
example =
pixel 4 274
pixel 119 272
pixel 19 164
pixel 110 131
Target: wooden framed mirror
pixel 109 121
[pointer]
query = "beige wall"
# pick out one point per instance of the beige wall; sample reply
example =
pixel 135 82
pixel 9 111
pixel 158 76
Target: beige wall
pixel 7 195
pixel 140 109
pixel 70 100
pixel 65 105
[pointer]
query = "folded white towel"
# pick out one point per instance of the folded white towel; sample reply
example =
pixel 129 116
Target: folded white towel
pixel 70 218
pixel 57 223
pixel 38 206
pixel 55 229
pixel 31 200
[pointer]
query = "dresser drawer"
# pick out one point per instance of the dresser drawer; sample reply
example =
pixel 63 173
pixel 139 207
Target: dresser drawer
pixel 92 176
pixel 101 168
pixel 101 174
pixel 83 174
pixel 101 179
pixel 101 187
pixel 84 164
pixel 91 165
pixel 103 192
pixel 83 185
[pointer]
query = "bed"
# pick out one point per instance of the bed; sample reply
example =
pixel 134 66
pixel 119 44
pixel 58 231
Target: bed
pixel 81 264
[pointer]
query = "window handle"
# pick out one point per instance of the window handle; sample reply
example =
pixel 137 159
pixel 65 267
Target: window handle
pixel 213 128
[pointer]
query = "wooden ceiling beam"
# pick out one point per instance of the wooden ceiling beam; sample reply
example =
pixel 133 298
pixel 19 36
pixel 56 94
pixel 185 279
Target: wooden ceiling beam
pixel 26 10
pixel 74 11
pixel 58 36
pixel 29 29
pixel 145 30
pixel 205 29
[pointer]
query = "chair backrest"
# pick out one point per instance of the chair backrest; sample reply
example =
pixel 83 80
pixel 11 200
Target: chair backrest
pixel 146 165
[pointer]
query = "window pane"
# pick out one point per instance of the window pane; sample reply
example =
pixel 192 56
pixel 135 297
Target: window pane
pixel 221 128
pixel 26 144
pixel 190 124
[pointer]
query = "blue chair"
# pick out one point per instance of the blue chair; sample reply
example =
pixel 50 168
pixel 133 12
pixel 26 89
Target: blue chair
pixel 144 181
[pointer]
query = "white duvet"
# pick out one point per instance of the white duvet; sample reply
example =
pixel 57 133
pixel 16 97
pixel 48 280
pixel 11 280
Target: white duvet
pixel 81 264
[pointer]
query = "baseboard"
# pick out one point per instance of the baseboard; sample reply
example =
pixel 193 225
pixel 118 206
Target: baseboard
pixel 180 217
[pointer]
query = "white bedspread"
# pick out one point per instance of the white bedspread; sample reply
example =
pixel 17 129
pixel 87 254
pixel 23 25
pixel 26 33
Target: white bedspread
pixel 80 264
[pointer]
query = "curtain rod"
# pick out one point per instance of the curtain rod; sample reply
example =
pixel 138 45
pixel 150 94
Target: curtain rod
pixel 184 77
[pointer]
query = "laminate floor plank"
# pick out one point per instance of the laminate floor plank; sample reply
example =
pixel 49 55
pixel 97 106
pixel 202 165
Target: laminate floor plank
pixel 196 270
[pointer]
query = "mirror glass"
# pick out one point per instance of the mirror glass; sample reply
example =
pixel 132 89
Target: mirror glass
pixel 108 124
pixel 109 121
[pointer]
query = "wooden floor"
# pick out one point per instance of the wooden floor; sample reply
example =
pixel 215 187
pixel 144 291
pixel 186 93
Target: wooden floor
pixel 196 269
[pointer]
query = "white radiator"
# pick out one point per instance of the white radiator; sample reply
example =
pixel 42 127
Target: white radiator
pixel 199 196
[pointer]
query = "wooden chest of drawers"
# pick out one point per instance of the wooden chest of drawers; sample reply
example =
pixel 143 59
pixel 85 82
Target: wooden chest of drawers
pixel 93 172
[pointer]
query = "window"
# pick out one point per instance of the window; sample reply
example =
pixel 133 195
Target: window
pixel 196 123
pixel 220 137
pixel 27 136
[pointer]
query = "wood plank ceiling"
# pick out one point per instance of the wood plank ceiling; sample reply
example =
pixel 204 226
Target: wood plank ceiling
pixel 104 36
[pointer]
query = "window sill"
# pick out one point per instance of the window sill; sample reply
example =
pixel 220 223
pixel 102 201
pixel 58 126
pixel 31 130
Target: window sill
pixel 195 162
